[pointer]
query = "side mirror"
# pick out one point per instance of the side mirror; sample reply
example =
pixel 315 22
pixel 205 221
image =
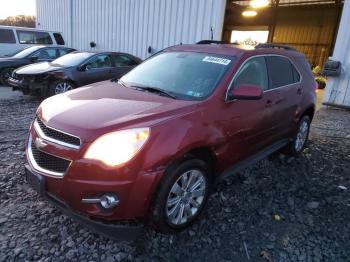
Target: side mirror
pixel 82 67
pixel 34 58
pixel 247 92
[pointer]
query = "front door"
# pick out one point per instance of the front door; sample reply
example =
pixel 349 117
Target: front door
pixel 98 68
pixel 250 121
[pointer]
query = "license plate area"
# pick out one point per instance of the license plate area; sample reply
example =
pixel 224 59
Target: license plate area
pixel 36 181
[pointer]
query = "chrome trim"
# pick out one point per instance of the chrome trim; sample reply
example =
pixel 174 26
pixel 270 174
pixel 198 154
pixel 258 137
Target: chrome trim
pixel 90 200
pixel 36 166
pixel 264 91
pixel 53 140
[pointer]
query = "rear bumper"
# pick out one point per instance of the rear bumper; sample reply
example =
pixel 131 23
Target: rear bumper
pixel 125 231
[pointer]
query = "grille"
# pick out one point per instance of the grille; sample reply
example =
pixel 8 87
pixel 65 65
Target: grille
pixel 49 162
pixel 55 134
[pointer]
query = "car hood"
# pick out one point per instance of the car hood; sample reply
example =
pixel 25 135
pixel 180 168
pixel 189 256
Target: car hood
pixel 10 60
pixel 97 109
pixel 38 68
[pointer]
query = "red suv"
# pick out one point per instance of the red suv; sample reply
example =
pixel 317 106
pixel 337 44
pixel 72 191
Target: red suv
pixel 150 146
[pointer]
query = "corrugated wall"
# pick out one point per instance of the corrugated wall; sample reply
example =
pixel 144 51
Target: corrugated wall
pixel 132 25
pixel 310 30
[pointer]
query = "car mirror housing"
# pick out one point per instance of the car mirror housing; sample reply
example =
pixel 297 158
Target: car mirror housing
pixel 82 67
pixel 247 92
pixel 34 58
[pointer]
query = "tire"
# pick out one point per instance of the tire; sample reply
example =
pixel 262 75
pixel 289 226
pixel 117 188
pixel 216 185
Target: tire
pixel 59 87
pixel 4 75
pixel 297 145
pixel 178 196
pixel 321 85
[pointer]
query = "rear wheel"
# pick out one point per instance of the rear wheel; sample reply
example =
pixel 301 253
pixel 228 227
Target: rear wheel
pixel 182 196
pixel 5 75
pixel 300 138
pixel 59 87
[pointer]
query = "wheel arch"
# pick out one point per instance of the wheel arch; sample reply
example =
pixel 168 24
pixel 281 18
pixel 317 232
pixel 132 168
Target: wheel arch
pixel 309 111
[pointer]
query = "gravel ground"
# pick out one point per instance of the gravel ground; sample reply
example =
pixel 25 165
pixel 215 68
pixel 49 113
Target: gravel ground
pixel 281 209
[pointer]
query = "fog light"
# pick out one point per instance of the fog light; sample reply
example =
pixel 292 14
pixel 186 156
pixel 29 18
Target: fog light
pixel 107 201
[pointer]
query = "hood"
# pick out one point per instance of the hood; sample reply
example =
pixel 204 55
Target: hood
pixel 38 68
pixel 97 109
pixel 4 61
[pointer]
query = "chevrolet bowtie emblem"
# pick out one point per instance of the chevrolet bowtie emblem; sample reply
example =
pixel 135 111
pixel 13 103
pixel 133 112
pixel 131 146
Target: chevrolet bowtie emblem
pixel 39 143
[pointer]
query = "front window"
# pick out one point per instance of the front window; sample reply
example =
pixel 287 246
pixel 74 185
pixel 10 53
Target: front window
pixel 187 75
pixel 72 59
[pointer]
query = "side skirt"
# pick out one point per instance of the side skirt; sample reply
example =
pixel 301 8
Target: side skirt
pixel 252 159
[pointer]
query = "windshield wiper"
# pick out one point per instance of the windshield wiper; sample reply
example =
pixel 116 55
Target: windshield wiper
pixel 156 90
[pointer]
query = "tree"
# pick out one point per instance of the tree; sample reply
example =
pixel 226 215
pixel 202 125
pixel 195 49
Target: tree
pixel 19 20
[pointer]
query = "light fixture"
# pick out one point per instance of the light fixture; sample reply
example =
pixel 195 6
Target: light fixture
pixel 249 13
pixel 259 3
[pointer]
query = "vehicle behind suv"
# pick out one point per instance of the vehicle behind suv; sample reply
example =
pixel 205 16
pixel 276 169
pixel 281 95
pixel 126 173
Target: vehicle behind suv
pixel 151 146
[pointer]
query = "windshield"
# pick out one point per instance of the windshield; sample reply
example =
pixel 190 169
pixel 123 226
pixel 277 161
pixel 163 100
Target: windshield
pixel 187 75
pixel 72 59
pixel 25 52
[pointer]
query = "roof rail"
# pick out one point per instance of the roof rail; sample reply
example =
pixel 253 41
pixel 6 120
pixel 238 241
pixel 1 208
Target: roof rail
pixel 207 42
pixel 270 45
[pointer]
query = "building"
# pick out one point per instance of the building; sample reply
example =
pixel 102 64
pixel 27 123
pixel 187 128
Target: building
pixel 143 27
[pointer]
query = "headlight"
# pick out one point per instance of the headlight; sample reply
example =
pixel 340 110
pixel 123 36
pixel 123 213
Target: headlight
pixel 118 147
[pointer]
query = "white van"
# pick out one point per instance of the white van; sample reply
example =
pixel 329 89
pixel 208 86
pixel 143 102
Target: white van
pixel 13 39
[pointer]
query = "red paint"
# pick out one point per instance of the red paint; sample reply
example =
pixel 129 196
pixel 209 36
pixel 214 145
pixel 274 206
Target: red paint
pixel 231 130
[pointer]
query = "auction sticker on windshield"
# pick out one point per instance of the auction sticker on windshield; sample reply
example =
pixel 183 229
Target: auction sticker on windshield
pixel 216 60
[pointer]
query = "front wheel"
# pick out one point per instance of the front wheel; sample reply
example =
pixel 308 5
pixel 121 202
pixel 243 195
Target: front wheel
pixel 298 143
pixel 182 196
pixel 59 87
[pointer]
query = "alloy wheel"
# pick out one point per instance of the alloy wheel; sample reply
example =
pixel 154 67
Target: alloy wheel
pixel 301 135
pixel 186 197
pixel 62 88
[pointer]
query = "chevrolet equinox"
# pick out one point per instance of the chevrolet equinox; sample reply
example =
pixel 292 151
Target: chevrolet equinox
pixel 151 145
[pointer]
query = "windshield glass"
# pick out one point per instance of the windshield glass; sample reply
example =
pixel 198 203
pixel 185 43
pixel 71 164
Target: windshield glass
pixel 72 59
pixel 187 75
pixel 25 52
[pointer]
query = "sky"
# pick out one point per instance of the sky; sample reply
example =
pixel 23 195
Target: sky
pixel 16 7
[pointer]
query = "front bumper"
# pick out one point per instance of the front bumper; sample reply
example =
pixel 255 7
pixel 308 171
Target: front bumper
pixel 112 230
pixel 85 178
pixel 26 86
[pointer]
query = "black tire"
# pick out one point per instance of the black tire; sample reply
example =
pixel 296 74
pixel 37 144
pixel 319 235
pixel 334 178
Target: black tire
pixel 159 213
pixel 321 85
pixel 292 149
pixel 4 75
pixel 52 90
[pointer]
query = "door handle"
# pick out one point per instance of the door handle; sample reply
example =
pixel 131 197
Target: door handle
pixel 299 90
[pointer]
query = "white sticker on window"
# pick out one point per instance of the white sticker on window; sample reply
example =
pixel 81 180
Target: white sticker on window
pixel 216 60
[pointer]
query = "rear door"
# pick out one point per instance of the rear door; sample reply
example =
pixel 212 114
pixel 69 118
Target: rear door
pixel 285 84
pixel 250 121
pixel 122 64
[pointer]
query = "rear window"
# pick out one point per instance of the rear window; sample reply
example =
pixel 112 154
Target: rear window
pixel 59 39
pixel 7 36
pixel 34 37
pixel 122 60
pixel 280 71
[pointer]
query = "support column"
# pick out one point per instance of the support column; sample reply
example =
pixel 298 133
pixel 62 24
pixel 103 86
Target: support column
pixel 338 88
